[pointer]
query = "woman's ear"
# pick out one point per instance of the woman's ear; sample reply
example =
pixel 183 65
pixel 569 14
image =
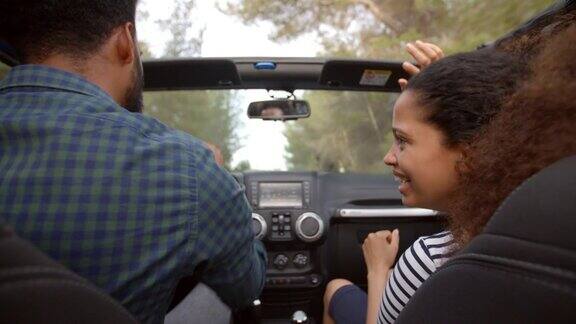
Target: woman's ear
pixel 462 162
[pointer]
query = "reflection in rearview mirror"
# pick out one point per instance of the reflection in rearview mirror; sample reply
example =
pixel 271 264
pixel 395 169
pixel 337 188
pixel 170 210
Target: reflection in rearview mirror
pixel 283 109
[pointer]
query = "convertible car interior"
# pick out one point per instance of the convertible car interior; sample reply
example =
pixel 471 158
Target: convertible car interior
pixel 312 223
pixel 521 269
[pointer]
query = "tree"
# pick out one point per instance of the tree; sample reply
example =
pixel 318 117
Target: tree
pixel 340 137
pixel 242 166
pixel 351 131
pixel 182 43
pixel 377 28
pixel 208 115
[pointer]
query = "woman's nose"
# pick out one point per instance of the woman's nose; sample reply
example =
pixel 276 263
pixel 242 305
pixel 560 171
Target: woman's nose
pixel 390 157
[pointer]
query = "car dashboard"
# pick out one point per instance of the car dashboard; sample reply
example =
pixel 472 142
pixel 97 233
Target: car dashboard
pixel 313 225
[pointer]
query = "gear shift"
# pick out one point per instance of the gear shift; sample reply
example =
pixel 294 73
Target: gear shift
pixel 251 314
pixel 257 310
pixel 299 317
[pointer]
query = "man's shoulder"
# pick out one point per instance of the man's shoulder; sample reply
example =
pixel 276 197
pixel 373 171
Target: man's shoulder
pixel 159 143
pixel 153 130
pixel 142 130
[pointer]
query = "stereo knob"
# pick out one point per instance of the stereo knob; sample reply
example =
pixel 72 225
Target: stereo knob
pixel 259 226
pixel 280 261
pixel 309 227
pixel 300 260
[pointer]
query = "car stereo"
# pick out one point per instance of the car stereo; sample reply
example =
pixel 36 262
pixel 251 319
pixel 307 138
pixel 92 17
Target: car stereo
pixel 285 218
pixel 269 195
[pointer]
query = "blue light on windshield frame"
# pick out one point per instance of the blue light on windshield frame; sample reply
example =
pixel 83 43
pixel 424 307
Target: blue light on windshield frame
pixel 265 66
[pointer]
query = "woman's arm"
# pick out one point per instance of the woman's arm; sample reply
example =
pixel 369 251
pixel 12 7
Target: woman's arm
pixel 376 284
pixel 380 251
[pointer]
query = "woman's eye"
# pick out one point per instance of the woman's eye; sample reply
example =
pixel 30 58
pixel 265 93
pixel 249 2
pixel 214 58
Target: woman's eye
pixel 400 142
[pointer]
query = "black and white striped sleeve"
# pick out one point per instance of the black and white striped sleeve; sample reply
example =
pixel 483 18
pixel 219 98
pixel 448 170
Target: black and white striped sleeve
pixel 414 266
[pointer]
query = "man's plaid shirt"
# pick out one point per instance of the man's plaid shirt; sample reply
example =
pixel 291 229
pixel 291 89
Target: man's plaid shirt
pixel 118 197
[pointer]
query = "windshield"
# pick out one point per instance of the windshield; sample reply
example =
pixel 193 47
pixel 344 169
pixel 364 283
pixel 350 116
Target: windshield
pixel 347 131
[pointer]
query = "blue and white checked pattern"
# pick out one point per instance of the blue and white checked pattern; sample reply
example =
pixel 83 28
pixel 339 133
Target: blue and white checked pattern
pixel 118 197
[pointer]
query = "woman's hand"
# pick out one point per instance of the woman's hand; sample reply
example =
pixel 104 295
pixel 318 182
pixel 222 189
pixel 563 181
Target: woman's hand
pixel 424 54
pixel 380 251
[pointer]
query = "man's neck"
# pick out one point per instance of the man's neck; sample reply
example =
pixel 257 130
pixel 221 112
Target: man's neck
pixel 95 74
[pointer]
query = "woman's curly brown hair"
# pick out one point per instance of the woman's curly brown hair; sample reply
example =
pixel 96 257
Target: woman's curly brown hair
pixel 536 127
pixel 528 42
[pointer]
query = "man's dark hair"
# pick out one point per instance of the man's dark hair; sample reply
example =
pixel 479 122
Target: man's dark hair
pixel 463 92
pixel 40 28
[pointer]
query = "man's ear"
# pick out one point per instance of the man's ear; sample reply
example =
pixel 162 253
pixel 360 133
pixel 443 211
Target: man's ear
pixel 125 43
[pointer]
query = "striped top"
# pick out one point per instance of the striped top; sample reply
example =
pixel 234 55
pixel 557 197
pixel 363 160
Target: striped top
pixel 417 263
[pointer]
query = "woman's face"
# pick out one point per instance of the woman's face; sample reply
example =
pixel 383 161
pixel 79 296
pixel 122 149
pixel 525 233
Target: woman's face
pixel 424 166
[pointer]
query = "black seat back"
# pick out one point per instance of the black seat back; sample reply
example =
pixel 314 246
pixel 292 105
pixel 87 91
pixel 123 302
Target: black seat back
pixel 521 269
pixel 36 289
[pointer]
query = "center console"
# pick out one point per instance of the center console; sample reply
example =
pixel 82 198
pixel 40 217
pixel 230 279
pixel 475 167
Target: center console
pixel 292 213
pixel 287 221
pixel 287 218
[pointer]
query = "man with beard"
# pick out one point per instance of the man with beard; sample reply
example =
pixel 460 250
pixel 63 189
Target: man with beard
pixel 117 197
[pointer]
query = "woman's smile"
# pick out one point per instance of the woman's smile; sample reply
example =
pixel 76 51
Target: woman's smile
pixel 421 163
pixel 403 180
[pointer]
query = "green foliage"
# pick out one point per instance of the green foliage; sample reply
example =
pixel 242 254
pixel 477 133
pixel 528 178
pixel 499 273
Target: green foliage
pixel 351 132
pixel 182 44
pixel 206 115
pixel 454 24
pixel 347 132
pixel 242 166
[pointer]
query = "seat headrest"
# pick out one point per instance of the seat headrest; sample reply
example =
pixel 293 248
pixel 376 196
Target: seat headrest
pixel 542 209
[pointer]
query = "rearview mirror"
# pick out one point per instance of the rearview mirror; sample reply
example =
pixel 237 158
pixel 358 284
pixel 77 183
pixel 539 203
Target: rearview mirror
pixel 283 109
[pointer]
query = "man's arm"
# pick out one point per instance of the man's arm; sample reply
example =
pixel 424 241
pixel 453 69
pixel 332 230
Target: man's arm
pixel 236 262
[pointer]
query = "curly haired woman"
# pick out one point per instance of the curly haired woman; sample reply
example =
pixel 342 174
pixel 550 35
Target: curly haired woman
pixel 441 113
pixel 536 128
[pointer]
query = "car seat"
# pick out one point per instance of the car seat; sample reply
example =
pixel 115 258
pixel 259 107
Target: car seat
pixel 520 269
pixel 36 289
